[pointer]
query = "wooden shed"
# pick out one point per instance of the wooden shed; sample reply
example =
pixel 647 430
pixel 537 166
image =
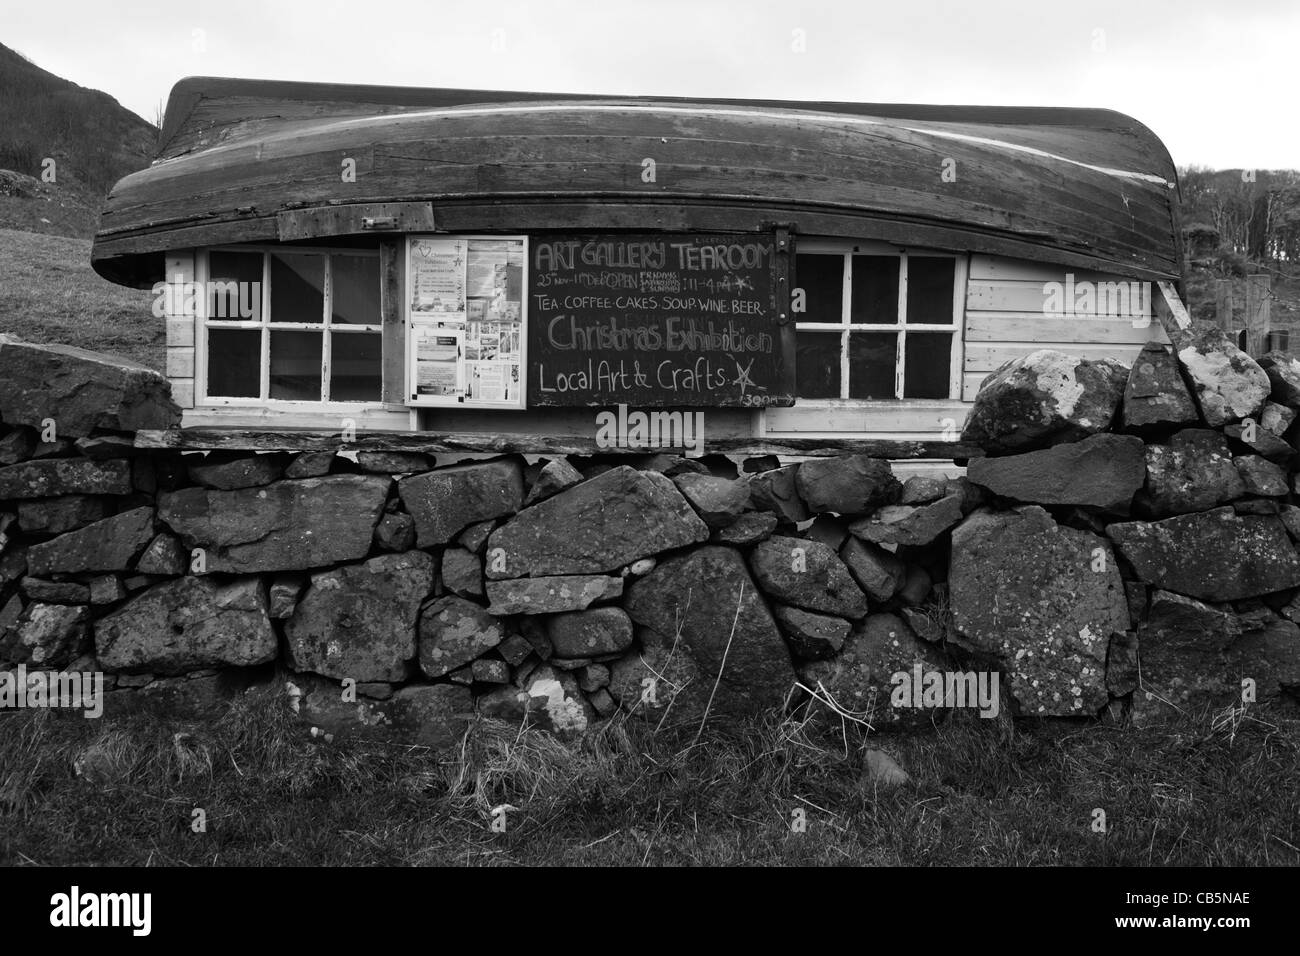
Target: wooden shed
pixel 477 261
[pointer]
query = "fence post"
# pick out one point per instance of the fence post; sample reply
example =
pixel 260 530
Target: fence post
pixel 1257 314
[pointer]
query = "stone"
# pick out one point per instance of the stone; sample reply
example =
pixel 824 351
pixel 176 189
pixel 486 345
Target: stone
pixel 861 678
pixel 881 771
pixel 811 636
pixel 777 491
pixel 429 715
pixel 662 683
pixel 502 703
pixel 454 631
pixel 46 636
pixel 1270 656
pixel 445 501
pixel 972 495
pixel 909 525
pixel 1122 669
pixel 81 390
pixel 705 600
pixel 359 621
pixel 719 501
pixel 310 464
pixel 1261 476
pixel 283 595
pixel 55 592
pixel 186 624
pixel 462 675
pixel 474 538
pixel 879 572
pixel 1194 472
pixel 1211 555
pixel 462 573
pixel 556 703
pixel 533 630
pixel 1256 506
pixel 1228 384
pixel 10 611
pixel 53 477
pixel 1291 518
pixel 17 445
pixel 286 526
pixel 924 622
pixel 57 515
pixel 748 529
pixel 1276 419
pixel 227 475
pixel 1044 396
pixel 1102 471
pixel 514 649
pixel 556 475
pixel 640 567
pixel 760 463
pixel 1155 394
pixel 600 525
pixel 1058 599
pixel 108 545
pixel 923 489
pixel 601 630
pixel 593 677
pixel 550 595
pixel 106 589
pixel 487 671
pixel 808 575
pixel 849 485
pixel 395 532
pixel 393 462
pixel 1283 372
pixel 164 555
pixel 375 690
pixel 604 704
pixel 1183 646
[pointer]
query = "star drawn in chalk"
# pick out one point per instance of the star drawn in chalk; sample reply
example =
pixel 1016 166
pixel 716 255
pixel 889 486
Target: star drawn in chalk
pixel 743 284
pixel 743 379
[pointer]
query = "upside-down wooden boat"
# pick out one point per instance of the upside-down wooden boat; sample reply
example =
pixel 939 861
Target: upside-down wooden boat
pixel 245 160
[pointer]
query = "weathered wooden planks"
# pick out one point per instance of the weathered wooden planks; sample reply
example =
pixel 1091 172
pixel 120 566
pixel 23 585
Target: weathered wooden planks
pixel 224 439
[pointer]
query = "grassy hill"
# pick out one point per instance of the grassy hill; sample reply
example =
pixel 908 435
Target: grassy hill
pixel 49 293
pixel 93 140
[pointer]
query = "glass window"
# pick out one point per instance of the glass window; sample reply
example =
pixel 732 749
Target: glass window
pixel 355 288
pixel 235 363
pixel 881 357
pixel 297 287
pixel 235 286
pixel 356 366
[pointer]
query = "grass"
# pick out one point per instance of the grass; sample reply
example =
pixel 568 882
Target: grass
pixel 983 792
pixel 49 293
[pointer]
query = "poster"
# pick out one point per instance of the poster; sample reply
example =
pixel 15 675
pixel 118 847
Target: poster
pixel 470 290
pixel 438 275
pixel 437 360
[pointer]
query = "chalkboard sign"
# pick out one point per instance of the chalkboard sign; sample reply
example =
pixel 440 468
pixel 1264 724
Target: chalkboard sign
pixel 659 320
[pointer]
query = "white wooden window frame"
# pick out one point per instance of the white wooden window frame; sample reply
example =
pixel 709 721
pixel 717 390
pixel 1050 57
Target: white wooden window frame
pixel 266 325
pixel 901 327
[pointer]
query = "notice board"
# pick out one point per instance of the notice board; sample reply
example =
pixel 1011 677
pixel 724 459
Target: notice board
pixel 659 320
pixel 465 317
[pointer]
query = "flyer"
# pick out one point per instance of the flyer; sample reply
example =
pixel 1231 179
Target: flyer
pixel 438 278
pixel 437 360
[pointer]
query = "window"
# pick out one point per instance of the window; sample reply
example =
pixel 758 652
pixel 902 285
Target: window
pixel 877 323
pixel 1279 339
pixel 292 326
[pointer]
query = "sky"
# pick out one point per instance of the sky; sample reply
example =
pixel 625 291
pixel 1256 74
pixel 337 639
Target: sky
pixel 1215 80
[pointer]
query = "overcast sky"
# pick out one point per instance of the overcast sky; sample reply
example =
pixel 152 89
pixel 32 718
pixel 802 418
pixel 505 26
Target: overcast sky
pixel 1215 80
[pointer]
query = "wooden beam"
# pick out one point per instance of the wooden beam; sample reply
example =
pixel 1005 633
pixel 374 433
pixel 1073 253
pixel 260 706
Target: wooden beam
pixel 221 439
pixel 1171 312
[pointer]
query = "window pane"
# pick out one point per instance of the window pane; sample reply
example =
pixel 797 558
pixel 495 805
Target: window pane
pixel 355 366
pixel 873 356
pixel 295 365
pixel 929 289
pixel 928 366
pixel 875 289
pixel 822 280
pixel 235 285
pixel 817 365
pixel 356 289
pixel 235 363
pixel 297 287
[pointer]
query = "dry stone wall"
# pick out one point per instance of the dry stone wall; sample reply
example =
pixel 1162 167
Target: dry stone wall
pixel 1127 548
